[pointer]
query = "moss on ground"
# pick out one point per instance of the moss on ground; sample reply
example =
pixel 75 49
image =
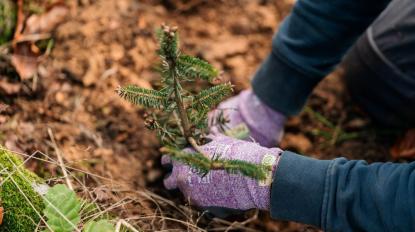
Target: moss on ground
pixel 19 215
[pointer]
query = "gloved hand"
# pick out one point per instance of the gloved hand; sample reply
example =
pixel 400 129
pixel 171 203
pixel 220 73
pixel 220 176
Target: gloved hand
pixel 220 189
pixel 249 117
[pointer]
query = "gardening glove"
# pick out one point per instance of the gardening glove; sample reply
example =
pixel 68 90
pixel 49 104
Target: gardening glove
pixel 219 188
pixel 247 118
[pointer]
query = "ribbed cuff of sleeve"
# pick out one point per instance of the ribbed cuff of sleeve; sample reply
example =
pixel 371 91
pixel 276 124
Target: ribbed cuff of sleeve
pixel 298 189
pixel 282 87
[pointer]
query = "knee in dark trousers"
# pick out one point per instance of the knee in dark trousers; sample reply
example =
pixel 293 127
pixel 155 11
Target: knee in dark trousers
pixel 380 67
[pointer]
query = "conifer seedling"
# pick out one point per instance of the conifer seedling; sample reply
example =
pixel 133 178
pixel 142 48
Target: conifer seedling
pixel 179 115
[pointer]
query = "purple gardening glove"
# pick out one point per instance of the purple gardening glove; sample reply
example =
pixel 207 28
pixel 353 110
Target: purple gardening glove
pixel 220 189
pixel 248 118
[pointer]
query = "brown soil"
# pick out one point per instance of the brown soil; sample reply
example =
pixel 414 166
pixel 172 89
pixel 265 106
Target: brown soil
pixel 107 43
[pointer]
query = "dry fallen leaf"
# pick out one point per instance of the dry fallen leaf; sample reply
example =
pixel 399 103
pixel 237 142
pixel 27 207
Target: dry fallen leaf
pixel 405 146
pixel 25 60
pixel 25 57
pixel 46 22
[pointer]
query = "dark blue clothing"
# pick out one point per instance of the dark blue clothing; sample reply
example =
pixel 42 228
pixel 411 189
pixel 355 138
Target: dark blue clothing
pixel 342 195
pixel 313 39
pixel 310 42
pixel 380 68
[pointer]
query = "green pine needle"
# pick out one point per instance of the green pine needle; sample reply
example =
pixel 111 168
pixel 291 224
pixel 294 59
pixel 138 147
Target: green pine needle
pixel 199 162
pixel 169 43
pixel 257 172
pixel 208 98
pixel 202 165
pixel 141 96
pixel 193 67
pixel 199 118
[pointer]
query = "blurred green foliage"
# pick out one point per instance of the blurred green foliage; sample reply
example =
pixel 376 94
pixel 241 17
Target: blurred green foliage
pixel 8 18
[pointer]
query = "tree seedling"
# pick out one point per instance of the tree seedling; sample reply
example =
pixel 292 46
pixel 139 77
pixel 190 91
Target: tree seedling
pixel 179 115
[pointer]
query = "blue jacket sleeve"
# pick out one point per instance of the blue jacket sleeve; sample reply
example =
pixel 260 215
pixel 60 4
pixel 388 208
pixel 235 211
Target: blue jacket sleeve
pixel 342 195
pixel 310 42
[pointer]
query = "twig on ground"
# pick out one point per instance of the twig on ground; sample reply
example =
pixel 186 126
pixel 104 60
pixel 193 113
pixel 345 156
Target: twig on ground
pixel 32 37
pixel 238 225
pixel 122 222
pixel 20 20
pixel 60 159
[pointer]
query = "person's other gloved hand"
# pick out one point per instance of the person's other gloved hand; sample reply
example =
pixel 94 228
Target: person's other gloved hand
pixel 249 117
pixel 220 189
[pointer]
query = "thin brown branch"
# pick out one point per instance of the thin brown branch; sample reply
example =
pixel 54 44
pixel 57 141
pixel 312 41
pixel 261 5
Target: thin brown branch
pixel 122 222
pixel 185 125
pixel 20 21
pixel 60 159
pixel 192 142
pixel 213 165
pixel 32 37
pixel 180 108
